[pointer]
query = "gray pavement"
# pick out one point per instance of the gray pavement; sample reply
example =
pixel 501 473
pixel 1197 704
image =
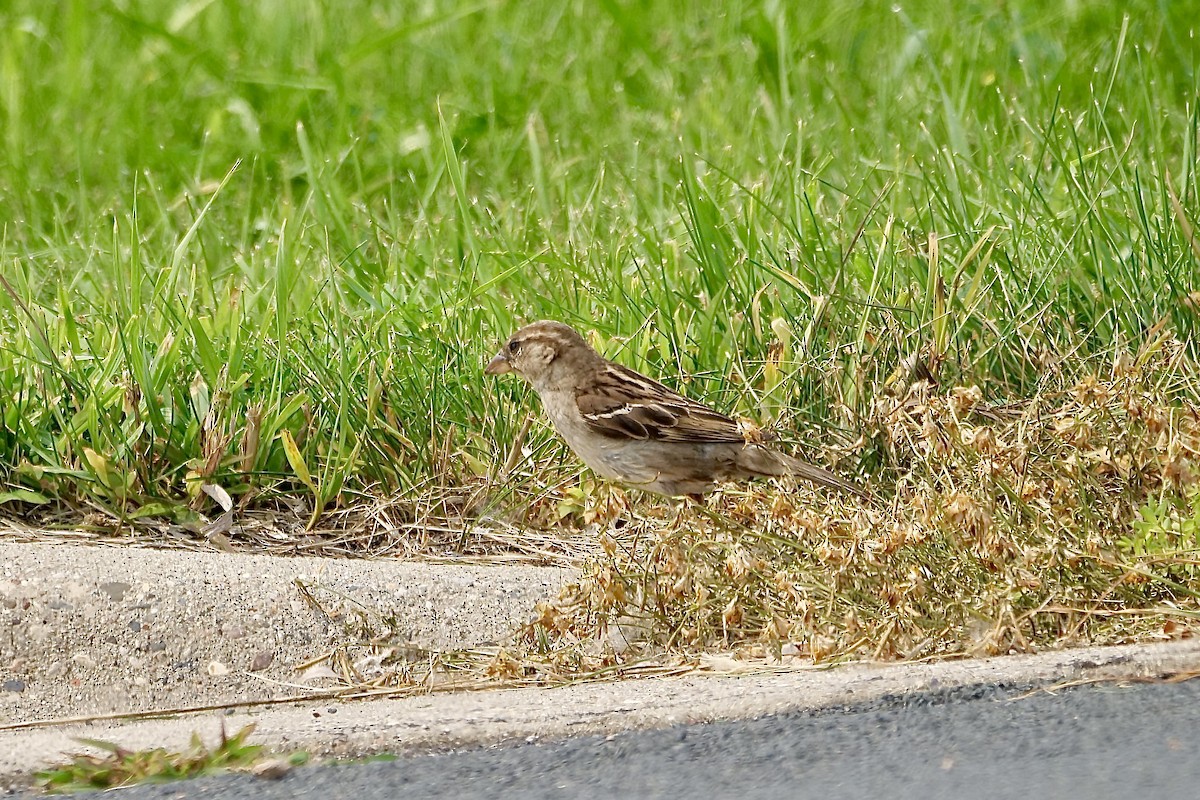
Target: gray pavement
pixel 90 630
pixel 989 741
pixel 463 720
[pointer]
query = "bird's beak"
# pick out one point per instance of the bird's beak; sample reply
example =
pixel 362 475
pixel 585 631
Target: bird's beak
pixel 498 366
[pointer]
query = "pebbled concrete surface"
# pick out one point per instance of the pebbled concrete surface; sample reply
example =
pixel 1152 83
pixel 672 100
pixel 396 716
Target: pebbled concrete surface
pixel 90 630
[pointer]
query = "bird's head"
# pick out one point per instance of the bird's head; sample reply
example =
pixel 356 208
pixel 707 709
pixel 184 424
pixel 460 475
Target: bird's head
pixel 543 353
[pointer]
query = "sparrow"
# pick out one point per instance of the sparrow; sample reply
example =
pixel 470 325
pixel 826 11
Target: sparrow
pixel 630 428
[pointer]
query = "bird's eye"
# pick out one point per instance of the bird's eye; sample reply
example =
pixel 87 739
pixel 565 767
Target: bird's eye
pixel 514 346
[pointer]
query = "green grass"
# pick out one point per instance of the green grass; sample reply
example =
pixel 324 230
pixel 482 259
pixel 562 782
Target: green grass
pixel 118 766
pixel 223 225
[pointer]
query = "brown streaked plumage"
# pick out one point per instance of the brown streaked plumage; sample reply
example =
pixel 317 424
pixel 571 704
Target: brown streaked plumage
pixel 631 428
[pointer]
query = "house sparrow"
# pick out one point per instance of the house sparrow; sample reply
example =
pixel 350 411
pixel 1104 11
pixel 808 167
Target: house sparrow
pixel 630 428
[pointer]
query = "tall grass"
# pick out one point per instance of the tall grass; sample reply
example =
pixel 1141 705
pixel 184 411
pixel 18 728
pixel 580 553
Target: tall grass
pixel 268 247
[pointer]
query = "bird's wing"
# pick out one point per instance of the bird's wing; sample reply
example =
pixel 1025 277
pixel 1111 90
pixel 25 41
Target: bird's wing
pixel 623 404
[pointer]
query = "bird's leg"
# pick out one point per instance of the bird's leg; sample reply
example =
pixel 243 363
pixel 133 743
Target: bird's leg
pixel 608 506
pixel 678 507
pixel 681 506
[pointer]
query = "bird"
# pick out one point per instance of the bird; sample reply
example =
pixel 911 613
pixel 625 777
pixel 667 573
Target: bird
pixel 632 429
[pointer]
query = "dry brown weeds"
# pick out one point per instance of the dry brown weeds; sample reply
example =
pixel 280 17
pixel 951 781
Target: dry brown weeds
pixel 1003 529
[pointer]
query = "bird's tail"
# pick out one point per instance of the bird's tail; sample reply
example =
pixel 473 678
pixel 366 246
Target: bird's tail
pixel 823 477
pixel 769 462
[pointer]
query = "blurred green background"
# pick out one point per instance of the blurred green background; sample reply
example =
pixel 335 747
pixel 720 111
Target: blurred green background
pixel 228 228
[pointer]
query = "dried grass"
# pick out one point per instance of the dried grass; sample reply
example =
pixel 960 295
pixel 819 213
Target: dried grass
pixel 392 527
pixel 1008 529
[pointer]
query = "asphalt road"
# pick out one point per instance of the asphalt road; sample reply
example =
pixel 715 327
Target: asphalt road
pixel 1138 741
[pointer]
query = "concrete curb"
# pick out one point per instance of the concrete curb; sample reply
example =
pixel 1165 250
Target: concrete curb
pixel 93 630
pixel 473 719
